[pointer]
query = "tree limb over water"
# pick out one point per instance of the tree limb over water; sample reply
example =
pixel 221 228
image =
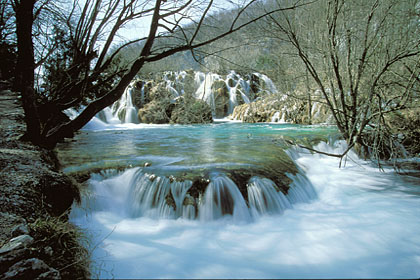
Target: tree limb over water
pixel 84 70
pixel 363 57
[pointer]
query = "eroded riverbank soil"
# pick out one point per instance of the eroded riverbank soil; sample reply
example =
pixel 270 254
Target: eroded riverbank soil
pixel 33 203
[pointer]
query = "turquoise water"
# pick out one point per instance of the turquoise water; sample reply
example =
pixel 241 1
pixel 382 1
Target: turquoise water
pixel 192 146
pixel 362 223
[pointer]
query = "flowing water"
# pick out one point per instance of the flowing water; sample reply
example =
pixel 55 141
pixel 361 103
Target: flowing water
pixel 329 222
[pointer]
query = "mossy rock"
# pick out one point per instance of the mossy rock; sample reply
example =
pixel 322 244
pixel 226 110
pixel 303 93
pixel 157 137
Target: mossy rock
pixel 221 100
pixel 157 112
pixel 191 111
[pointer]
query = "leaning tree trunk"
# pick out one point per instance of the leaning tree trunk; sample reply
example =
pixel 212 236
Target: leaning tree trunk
pixel 24 77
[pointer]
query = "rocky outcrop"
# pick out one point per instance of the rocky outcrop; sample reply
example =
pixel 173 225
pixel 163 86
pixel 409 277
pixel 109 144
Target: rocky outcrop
pixel 165 107
pixel 191 111
pixel 283 109
pixel 32 190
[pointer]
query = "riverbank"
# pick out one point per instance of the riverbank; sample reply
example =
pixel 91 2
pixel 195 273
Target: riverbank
pixel 35 235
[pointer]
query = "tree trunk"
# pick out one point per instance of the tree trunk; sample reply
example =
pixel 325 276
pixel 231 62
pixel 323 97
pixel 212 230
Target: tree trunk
pixel 24 82
pixel 94 107
pixel 308 91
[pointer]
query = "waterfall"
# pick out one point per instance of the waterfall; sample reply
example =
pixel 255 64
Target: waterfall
pixel 222 93
pixel 269 85
pixel 99 122
pixel 106 116
pixel 235 85
pixel 232 90
pixel 222 197
pixel 124 109
pixel 301 189
pixel 263 197
pixel 131 110
pixel 142 96
pixel 188 209
pixel 205 92
pixel 150 195
pixel 179 191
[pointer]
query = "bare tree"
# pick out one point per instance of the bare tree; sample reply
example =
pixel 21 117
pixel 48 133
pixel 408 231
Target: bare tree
pixel 363 56
pixel 93 27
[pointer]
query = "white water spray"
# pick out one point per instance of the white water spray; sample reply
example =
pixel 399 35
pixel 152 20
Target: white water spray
pixel 264 198
pixel 221 198
pixel 361 223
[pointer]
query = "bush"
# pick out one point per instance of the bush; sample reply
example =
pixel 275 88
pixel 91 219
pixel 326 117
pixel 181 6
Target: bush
pixel 191 111
pixel 406 124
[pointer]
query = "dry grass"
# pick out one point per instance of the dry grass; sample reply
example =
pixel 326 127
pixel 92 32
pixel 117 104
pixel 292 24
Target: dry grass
pixel 62 246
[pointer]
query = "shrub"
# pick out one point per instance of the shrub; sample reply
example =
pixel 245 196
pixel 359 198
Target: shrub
pixel 191 111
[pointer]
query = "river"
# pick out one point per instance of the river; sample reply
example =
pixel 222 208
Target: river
pixel 350 222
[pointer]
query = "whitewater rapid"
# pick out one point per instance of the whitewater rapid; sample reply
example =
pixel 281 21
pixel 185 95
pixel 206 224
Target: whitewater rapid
pixel 363 223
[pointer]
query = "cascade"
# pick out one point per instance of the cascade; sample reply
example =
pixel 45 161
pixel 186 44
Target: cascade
pixel 301 189
pixel 237 87
pixel 131 110
pixel 267 82
pixel 171 85
pixel 148 196
pixel 188 208
pixel 99 122
pixel 142 99
pixel 205 91
pixel 123 110
pixel 264 198
pixel 278 117
pixel 362 218
pixel 179 191
pixel 222 197
pixel 106 116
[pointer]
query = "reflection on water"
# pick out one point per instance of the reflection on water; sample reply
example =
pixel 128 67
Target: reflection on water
pixel 187 145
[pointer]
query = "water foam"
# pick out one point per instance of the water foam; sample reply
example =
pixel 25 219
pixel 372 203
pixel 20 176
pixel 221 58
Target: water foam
pixel 363 223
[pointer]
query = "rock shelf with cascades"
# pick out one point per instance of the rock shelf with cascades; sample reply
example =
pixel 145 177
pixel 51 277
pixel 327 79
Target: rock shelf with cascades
pixel 242 195
pixel 197 97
